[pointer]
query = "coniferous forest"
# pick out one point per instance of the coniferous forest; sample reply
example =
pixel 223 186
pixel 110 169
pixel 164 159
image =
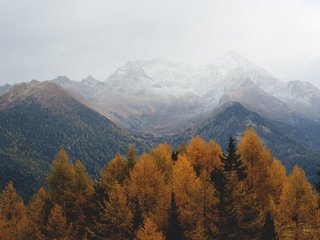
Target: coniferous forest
pixel 197 191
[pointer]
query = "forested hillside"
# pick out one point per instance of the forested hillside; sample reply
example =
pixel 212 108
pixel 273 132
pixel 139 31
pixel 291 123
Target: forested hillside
pixel 37 119
pixel 194 192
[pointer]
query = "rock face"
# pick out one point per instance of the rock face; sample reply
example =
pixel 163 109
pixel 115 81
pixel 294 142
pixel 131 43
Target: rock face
pixel 37 119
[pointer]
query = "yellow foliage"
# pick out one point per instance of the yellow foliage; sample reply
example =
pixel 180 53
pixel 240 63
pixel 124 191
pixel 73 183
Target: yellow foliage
pixel 13 219
pixel 187 187
pixel 204 156
pixel 147 184
pixel 162 157
pixel 149 231
pixel 297 214
pixel 258 160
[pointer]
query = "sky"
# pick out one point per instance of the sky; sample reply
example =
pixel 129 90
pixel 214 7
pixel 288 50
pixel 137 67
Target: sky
pixel 41 39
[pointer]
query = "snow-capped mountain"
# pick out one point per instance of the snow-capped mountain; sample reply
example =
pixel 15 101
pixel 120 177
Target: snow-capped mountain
pixel 159 96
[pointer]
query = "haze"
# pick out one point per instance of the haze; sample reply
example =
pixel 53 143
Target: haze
pixel 41 39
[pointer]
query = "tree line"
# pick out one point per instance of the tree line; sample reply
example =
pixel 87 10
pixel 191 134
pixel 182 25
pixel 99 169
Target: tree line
pixel 195 192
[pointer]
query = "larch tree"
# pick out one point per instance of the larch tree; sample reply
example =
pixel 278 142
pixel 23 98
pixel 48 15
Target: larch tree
pixel 297 215
pixel 38 211
pixel 116 220
pixel 187 187
pixel 81 195
pixel 277 176
pixel 148 185
pixel 258 160
pixel 61 179
pixel 204 156
pixel 131 158
pixel 149 231
pixel 162 156
pixel 57 227
pixel 13 219
pixel 114 172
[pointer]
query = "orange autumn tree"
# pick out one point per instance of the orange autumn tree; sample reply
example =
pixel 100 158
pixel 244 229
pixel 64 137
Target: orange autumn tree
pixel 147 184
pixel 57 227
pixel 297 214
pixel 187 188
pixel 13 218
pixel 205 156
pixel 162 156
pixel 258 160
pixel 149 231
pixel 38 210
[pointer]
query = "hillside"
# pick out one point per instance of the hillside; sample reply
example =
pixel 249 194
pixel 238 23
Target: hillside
pixel 291 144
pixel 39 118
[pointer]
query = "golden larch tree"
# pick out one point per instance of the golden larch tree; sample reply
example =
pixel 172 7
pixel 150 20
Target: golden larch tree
pixel 57 227
pixel 297 214
pixel 162 156
pixel 258 160
pixel 187 187
pixel 149 231
pixel 13 219
pixel 147 184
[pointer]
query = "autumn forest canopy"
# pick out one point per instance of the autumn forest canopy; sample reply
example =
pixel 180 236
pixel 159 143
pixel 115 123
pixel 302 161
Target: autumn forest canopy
pixel 197 191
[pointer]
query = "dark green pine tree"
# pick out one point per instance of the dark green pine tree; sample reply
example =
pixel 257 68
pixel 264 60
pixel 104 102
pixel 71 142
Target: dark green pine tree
pixel 174 230
pixel 137 220
pixel 317 183
pixel 227 215
pixel 232 161
pixel 269 232
pixel 174 156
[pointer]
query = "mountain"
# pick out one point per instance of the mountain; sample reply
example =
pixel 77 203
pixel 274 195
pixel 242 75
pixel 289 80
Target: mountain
pixel 160 97
pixel 5 88
pixel 37 119
pixel 292 145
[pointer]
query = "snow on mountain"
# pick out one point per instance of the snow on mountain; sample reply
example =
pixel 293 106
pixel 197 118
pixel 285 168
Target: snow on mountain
pixel 90 81
pixel 159 94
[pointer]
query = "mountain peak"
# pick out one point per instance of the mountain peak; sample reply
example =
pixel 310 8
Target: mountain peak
pixel 46 93
pixel 61 79
pixel 89 80
pixel 231 60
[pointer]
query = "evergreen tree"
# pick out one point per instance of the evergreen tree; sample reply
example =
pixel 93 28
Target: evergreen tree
pixel 317 183
pixel 227 185
pixel 174 230
pixel 269 231
pixel 232 161
pixel 137 220
pixel 174 156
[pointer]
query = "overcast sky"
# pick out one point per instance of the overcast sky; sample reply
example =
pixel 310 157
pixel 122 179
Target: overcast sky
pixel 40 39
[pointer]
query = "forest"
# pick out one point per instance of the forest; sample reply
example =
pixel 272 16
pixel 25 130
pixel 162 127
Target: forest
pixel 194 192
